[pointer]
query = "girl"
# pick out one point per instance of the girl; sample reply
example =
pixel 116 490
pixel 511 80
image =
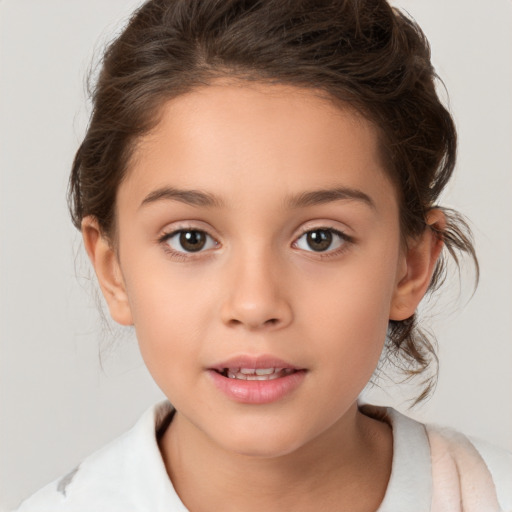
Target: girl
pixel 257 192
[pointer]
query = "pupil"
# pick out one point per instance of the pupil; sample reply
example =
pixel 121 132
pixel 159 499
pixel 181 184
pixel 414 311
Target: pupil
pixel 192 240
pixel 319 240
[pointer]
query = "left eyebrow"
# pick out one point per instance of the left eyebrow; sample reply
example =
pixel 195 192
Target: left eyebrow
pixel 191 197
pixel 322 196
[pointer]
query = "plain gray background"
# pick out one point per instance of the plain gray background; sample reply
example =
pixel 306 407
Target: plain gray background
pixel 68 383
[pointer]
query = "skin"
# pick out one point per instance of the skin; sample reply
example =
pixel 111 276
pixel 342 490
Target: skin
pixel 259 288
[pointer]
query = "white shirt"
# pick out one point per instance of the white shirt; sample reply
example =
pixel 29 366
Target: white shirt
pixel 129 475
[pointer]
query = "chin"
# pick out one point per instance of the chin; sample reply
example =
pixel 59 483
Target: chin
pixel 263 443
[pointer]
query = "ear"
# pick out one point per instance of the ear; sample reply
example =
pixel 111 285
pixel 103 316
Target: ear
pixel 417 268
pixel 106 265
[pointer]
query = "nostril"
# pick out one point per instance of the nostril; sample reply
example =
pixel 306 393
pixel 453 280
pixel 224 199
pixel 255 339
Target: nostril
pixel 267 323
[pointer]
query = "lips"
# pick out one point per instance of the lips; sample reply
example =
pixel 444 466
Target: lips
pixel 256 380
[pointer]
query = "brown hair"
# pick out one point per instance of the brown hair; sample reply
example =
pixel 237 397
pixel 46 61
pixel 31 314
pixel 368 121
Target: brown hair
pixel 360 52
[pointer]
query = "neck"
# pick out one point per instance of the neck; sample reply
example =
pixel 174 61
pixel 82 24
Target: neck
pixel 348 466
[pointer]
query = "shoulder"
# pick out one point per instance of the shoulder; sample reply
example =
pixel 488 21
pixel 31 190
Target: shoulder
pixel 480 471
pixel 126 475
pixel 438 469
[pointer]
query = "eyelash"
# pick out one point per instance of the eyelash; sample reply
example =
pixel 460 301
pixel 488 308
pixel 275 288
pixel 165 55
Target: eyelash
pixel 345 240
pixel 182 255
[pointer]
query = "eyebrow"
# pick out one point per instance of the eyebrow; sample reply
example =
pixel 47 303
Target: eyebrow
pixel 304 199
pixel 317 197
pixel 192 197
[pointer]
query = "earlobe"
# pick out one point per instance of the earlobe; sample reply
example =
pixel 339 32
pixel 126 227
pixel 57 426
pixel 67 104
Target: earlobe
pixel 417 267
pixel 106 265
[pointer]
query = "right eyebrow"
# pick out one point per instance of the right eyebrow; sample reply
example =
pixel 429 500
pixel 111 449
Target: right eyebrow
pixel 191 197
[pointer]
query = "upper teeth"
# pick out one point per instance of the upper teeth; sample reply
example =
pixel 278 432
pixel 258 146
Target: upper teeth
pixel 257 373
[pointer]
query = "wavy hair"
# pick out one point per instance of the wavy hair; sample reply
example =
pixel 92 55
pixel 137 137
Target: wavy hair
pixel 362 53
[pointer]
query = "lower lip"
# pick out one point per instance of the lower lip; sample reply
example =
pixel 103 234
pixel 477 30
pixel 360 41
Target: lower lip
pixel 257 391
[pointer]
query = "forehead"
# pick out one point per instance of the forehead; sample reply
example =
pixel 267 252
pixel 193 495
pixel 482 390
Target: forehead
pixel 234 135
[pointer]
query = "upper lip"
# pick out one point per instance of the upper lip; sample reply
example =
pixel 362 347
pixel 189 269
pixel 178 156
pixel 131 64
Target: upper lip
pixel 253 362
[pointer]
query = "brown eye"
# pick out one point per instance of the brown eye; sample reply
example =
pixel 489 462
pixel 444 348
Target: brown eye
pixel 321 240
pixel 190 240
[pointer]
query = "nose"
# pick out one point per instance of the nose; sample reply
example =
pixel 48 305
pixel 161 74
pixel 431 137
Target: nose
pixel 256 297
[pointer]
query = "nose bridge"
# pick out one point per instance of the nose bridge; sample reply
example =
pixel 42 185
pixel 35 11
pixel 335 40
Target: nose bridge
pixel 257 294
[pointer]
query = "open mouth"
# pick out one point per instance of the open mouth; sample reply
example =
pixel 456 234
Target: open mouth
pixel 253 380
pixel 255 373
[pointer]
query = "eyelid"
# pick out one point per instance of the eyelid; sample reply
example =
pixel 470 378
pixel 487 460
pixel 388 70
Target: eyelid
pixel 346 240
pixel 327 225
pixel 180 231
pixel 185 225
pixel 182 255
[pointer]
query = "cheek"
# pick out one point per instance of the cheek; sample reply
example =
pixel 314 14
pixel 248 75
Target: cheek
pixel 350 307
pixel 169 313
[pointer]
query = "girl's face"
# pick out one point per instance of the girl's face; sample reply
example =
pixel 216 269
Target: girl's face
pixel 257 229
